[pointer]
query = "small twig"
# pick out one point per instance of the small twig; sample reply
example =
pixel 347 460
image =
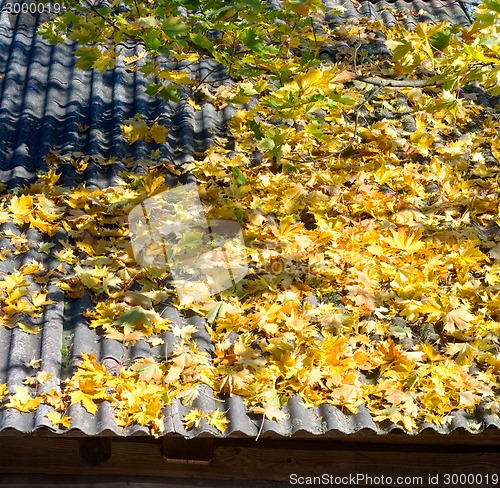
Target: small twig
pixel 137 8
pixel 106 19
pixel 212 398
pixel 356 49
pixel 459 87
pixel 355 56
pixel 196 89
pixel 261 427
pixel 210 72
pixel 314 33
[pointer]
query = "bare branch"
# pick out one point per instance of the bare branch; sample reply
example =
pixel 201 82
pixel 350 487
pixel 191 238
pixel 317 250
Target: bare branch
pixel 385 82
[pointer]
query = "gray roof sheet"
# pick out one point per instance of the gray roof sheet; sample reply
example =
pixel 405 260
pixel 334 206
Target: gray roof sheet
pixel 46 103
pixel 454 11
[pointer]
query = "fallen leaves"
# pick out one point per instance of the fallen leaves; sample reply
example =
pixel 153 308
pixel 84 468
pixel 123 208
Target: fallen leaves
pixel 148 369
pixel 459 319
pixel 19 301
pixel 21 208
pixel 3 391
pixel 353 255
pixel 136 129
pixel 215 419
pixel 59 420
pixel 22 400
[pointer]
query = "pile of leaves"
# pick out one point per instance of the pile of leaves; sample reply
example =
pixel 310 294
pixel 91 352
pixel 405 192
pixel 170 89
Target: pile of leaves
pixel 367 189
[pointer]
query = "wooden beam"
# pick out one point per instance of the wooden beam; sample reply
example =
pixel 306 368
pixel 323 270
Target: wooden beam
pixel 94 451
pixel 458 437
pixel 235 459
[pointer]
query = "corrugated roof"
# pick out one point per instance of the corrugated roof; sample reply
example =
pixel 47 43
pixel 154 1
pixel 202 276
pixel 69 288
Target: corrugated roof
pixel 408 13
pixel 46 103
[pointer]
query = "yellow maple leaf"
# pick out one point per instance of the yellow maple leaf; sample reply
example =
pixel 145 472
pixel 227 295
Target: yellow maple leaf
pixel 155 341
pixel 174 373
pixel 22 400
pixel 270 411
pixel 33 363
pixel 28 328
pixel 153 184
pixel 14 281
pixel 4 216
pixel 306 80
pixel 406 240
pixel 90 384
pixel 54 399
pixel 85 399
pixel 3 254
pixel 459 319
pixel 21 208
pixel 58 420
pixel 158 133
pixel 191 57
pixel 176 77
pixel 464 351
pixel 431 353
pixel 188 395
pixel 50 178
pixel 106 60
pixel 42 377
pixel 134 129
pixel 43 226
pixel 14 307
pixel 468 399
pixel 3 391
pixel 150 414
pixel 133 59
pixel 39 299
pixel 235 382
pixel 193 418
pixel 148 369
pixel 347 394
pixel 218 420
pixel 112 333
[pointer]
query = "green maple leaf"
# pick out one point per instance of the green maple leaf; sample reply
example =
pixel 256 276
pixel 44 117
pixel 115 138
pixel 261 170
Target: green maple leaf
pixel 173 27
pixel 148 369
pixel 131 319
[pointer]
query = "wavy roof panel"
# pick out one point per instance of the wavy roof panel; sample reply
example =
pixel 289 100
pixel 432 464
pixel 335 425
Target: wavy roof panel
pixel 46 103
